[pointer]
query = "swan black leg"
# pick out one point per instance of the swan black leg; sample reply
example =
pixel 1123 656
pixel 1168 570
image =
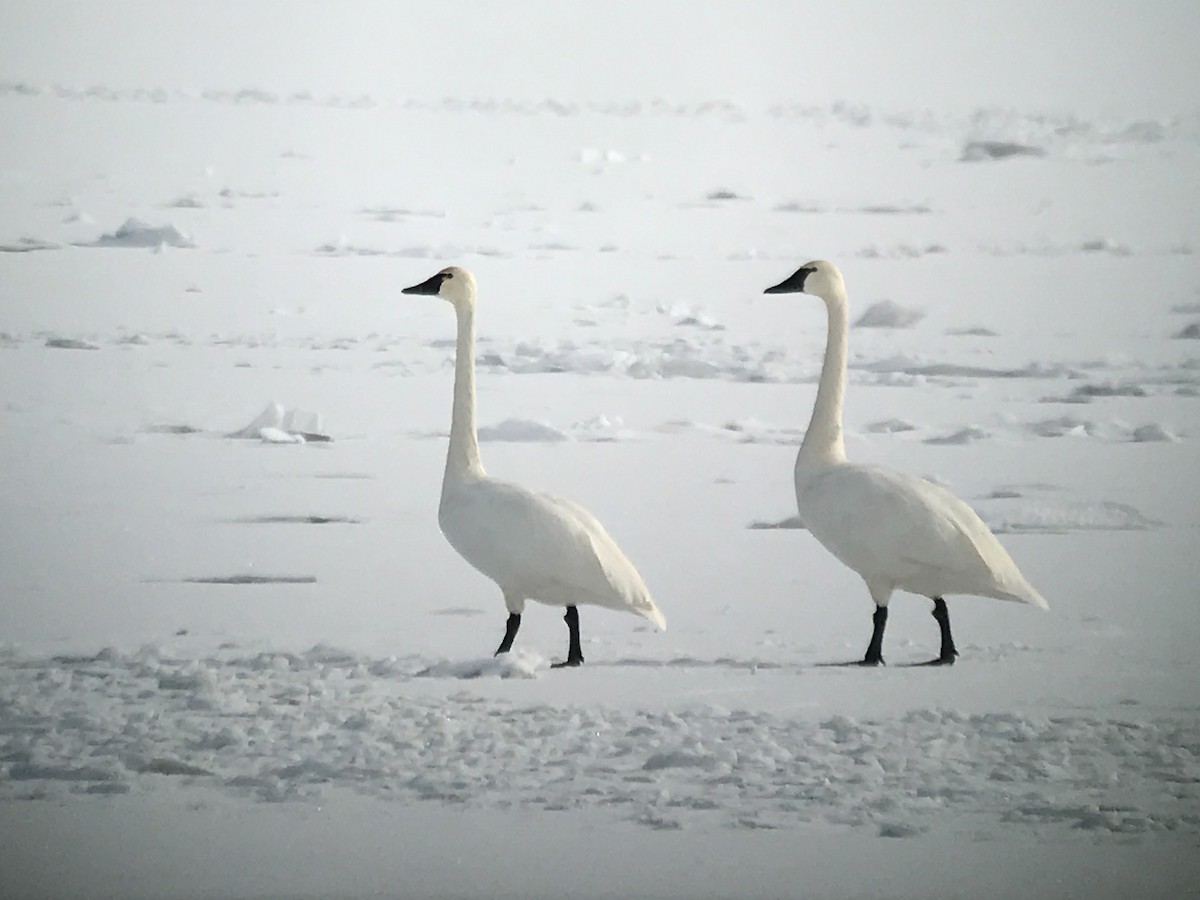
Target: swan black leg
pixel 874 655
pixel 574 652
pixel 510 632
pixel 948 652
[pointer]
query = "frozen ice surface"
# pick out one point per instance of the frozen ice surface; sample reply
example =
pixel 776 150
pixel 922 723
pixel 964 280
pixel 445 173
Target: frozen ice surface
pixel 232 669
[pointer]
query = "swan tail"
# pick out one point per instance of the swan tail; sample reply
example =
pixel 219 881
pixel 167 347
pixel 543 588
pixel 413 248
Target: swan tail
pixel 648 610
pixel 1024 594
pixel 1035 599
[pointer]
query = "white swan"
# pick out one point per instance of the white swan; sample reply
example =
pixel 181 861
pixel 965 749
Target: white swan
pixel 893 529
pixel 534 546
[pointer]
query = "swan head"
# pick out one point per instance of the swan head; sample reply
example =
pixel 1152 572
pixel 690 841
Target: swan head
pixel 819 278
pixel 455 285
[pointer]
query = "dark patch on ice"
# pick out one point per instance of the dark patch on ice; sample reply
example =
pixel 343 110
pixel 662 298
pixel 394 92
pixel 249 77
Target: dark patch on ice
pixel 231 194
pixel 187 201
pixel 34 771
pixel 906 366
pixel 1104 245
pixel 57 343
pixel 797 207
pixel 164 766
pixel 968 435
pixel 1087 817
pixel 900 829
pixel 298 520
pixel 28 245
pixel 1086 393
pixel 724 194
pixel 679 759
pixel 395 213
pixel 172 429
pixel 1189 333
pixel 976 331
pixel 457 611
pixel 976 151
pixel 1109 390
pixel 791 522
pixel 891 209
pixel 345 476
pixel 699 320
pixel 107 787
pixel 900 251
pixel 890 426
pixel 1152 433
pixel 339 249
pixel 659 823
pixel 252 579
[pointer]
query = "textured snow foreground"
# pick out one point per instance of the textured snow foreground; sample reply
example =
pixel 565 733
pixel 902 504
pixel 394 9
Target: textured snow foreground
pixel 290 727
pixel 238 659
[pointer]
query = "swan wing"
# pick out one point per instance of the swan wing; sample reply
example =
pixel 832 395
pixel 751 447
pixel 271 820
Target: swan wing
pixel 897 529
pixel 541 546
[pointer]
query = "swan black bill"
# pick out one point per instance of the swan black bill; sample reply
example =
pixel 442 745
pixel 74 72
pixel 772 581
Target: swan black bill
pixel 793 284
pixel 430 286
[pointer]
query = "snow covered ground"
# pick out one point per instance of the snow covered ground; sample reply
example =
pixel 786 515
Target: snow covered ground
pixel 238 657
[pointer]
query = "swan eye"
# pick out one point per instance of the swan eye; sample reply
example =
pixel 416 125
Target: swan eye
pixel 446 276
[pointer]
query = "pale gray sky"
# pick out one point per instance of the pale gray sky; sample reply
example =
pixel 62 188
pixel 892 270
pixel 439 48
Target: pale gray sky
pixel 1130 58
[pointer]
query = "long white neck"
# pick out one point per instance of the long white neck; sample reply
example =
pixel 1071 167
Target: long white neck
pixel 822 443
pixel 462 458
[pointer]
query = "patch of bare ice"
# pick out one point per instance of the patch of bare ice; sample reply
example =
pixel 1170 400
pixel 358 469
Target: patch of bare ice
pixel 977 151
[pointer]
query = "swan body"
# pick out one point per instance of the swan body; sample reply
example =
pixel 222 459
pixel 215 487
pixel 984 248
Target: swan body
pixel 534 546
pixel 897 531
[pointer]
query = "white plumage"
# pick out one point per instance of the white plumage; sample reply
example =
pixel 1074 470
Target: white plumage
pixel 897 531
pixel 535 546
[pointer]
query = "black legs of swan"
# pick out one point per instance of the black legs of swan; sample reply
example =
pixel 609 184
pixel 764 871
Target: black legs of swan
pixel 510 632
pixel 948 652
pixel 874 655
pixel 574 652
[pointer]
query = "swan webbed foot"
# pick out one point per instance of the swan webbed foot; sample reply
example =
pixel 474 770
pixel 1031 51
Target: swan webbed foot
pixel 510 632
pixel 871 661
pixel 941 660
pixel 569 663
